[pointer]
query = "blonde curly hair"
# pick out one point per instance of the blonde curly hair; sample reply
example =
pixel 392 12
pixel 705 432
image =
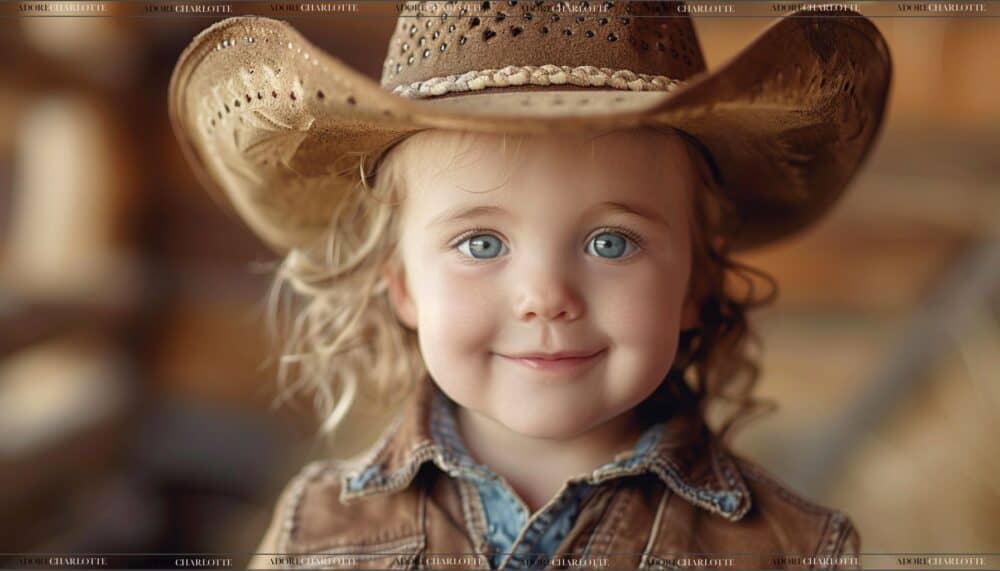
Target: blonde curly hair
pixel 337 334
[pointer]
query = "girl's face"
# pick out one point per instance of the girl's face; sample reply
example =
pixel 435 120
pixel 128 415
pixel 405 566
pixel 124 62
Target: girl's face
pixel 548 289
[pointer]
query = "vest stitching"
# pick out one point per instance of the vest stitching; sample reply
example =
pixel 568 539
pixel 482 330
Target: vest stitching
pixel 835 533
pixel 615 525
pixel 841 543
pixel 422 520
pixel 322 472
pixel 654 532
pixel 764 477
pixel 421 452
pixel 290 521
pixel 715 501
pixel 668 471
pixel 663 467
pixel 371 551
pixel 611 514
pixel 473 512
pixel 837 525
pixel 724 463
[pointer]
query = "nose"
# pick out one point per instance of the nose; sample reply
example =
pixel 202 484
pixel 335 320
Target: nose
pixel 548 295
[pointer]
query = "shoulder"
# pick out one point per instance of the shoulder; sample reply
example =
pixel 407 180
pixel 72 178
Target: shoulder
pixel 282 531
pixel 310 516
pixel 785 519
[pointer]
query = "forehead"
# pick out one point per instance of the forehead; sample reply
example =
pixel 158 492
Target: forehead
pixel 645 166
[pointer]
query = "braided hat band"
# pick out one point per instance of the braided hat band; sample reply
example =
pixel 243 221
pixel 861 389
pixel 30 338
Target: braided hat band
pixel 514 75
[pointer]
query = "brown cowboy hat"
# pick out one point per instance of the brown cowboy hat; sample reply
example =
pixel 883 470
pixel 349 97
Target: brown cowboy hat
pixel 279 125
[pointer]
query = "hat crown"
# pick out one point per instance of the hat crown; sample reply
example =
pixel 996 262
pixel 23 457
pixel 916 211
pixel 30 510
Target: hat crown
pixel 439 39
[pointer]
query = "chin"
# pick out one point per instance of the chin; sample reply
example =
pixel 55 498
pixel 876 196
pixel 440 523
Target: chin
pixel 540 425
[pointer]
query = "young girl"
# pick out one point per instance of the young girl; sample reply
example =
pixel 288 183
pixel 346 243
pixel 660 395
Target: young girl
pixel 542 275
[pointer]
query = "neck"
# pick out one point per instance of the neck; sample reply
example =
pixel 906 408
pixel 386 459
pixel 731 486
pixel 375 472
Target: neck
pixel 537 481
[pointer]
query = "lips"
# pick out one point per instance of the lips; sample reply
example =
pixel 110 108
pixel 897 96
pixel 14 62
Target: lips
pixel 554 356
pixel 558 362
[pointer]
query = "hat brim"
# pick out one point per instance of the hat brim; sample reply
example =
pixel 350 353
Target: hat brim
pixel 278 125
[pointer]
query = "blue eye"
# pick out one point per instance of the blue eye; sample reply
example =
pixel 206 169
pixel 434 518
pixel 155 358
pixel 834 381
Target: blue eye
pixel 610 245
pixel 482 246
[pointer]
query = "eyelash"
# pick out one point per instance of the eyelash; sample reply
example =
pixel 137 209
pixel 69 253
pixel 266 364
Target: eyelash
pixel 469 234
pixel 635 237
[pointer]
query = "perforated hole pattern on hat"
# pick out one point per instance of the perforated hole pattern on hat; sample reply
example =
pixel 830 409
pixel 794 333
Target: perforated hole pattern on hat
pixel 448 38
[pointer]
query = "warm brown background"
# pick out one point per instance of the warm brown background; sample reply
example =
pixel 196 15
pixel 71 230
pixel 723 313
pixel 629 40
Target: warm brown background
pixel 134 392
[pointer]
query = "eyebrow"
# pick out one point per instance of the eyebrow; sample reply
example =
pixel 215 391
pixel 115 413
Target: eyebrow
pixel 634 210
pixel 460 214
pixel 465 213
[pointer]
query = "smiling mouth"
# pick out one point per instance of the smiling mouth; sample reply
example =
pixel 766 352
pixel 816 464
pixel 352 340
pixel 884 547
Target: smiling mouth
pixel 555 362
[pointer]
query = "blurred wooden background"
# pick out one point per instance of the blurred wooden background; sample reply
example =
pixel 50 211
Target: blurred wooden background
pixel 133 385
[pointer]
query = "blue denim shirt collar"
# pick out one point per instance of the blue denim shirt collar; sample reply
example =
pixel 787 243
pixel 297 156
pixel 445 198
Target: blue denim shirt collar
pixel 681 451
pixel 444 431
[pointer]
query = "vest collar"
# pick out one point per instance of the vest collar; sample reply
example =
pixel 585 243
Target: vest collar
pixel 681 451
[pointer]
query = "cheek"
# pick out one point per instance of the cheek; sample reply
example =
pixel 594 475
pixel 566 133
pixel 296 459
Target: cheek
pixel 642 314
pixel 456 327
pixel 456 312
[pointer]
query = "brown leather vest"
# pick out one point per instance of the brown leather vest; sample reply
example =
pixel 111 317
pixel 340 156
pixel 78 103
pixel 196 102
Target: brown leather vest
pixel 692 502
